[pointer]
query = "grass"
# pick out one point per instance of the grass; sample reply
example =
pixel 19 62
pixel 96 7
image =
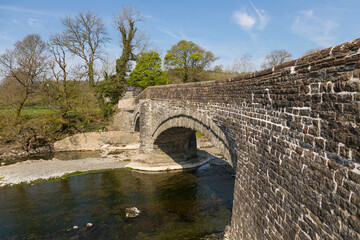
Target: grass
pixel 64 177
pixel 30 111
pixel 198 134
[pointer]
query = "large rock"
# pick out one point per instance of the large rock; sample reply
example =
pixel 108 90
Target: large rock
pixel 93 141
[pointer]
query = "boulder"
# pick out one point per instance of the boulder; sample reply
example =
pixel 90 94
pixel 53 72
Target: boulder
pixel 132 212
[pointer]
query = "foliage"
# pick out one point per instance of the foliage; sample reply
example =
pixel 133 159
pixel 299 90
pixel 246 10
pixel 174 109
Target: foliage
pixel 148 71
pixel 111 89
pixel 199 134
pixel 189 59
pixel 276 57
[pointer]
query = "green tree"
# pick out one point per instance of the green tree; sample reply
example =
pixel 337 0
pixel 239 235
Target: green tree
pixel 132 40
pixel 111 89
pixel 189 59
pixel 148 71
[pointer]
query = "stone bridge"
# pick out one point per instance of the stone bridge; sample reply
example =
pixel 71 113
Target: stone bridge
pixel 292 133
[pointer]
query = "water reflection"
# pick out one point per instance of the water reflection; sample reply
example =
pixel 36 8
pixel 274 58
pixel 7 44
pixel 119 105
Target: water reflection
pixel 178 205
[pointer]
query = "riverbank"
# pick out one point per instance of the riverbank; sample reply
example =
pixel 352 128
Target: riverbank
pixel 118 149
pixel 35 170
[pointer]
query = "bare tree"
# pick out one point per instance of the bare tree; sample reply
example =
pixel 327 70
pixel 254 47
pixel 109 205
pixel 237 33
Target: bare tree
pixel 132 40
pixel 218 68
pixel 57 86
pixel 276 57
pixel 85 36
pixel 25 64
pixel 311 51
pixel 243 65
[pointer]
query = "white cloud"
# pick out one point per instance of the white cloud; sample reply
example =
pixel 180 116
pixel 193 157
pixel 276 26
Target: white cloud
pixel 253 18
pixel 244 20
pixel 319 30
pixel 263 18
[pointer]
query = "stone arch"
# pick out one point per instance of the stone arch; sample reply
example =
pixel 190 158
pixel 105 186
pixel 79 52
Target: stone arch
pixel 136 121
pixel 137 124
pixel 203 124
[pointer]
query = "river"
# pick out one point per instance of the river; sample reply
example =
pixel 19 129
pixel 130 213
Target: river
pixel 174 205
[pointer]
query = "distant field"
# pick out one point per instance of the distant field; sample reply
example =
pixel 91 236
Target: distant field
pixel 29 111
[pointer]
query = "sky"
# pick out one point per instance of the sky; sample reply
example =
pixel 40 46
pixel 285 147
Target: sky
pixel 227 28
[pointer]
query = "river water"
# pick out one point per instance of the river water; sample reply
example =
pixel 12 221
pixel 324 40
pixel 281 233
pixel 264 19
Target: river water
pixel 173 205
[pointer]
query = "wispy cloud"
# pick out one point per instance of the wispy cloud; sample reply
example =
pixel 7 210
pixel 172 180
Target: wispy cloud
pixel 171 34
pixel 319 30
pixel 262 16
pixel 24 10
pixel 253 18
pixel 178 35
pixel 147 16
pixel 5 36
pixel 33 22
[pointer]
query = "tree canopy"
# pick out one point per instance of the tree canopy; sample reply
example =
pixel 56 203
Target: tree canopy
pixel 148 71
pixel 25 64
pixel 189 59
pixel 84 36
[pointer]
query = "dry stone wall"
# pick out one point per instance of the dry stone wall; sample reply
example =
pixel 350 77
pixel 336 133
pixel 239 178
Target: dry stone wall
pixel 293 133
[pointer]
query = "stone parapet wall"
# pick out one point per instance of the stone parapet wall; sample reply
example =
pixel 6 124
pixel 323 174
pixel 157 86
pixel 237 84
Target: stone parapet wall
pixel 295 133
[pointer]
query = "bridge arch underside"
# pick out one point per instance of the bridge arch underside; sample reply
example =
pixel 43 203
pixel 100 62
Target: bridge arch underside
pixel 137 123
pixel 176 137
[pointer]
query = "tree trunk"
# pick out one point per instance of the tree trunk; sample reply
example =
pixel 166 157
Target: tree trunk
pixel 21 104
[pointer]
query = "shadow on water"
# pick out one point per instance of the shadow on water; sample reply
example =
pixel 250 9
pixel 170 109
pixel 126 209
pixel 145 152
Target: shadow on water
pixel 174 205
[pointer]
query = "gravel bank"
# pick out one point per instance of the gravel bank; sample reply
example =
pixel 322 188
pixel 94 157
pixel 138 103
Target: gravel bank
pixel 32 170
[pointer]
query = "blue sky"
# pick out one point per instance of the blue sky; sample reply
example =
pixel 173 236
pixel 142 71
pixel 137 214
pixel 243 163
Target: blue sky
pixel 227 28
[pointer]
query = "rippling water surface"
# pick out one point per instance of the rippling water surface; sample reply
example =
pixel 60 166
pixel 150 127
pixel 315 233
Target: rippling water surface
pixel 174 205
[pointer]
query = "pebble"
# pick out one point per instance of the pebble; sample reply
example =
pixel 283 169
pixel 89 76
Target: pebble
pixel 2 164
pixel 75 227
pixel 89 225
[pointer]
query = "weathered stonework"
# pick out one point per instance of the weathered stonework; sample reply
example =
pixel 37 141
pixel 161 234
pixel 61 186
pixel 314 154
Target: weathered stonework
pixel 291 132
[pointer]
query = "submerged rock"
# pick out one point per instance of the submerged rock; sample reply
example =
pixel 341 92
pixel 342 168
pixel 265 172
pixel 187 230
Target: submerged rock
pixel 132 212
